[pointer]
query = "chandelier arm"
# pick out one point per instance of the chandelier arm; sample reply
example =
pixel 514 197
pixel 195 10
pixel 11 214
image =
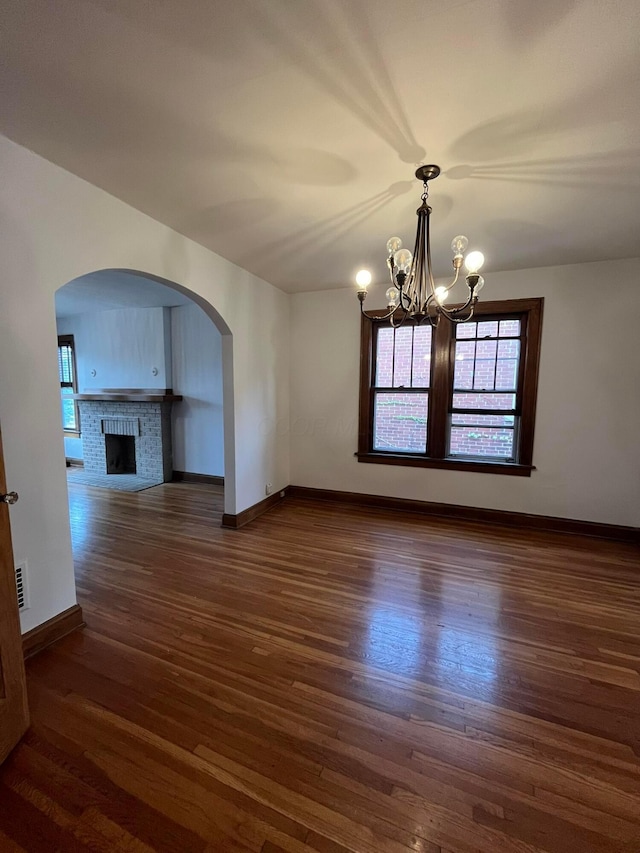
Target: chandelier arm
pixel 470 301
pixel 431 282
pixel 402 319
pixel 455 280
pixel 404 295
pixel 425 249
pixel 399 283
pixel 413 290
pixel 392 274
pixel 433 318
pixel 461 319
pixel 452 313
pixel 376 316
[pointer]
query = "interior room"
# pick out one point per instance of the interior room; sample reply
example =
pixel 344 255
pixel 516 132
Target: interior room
pixel 321 531
pixel 119 332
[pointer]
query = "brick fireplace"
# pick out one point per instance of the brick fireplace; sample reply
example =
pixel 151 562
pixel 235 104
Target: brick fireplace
pixel 128 431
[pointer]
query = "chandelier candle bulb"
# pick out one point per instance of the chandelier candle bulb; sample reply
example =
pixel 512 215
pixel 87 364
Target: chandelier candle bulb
pixel 459 246
pixel 474 261
pixel 363 279
pixel 402 260
pixel 413 295
pixel 393 296
pixel 394 244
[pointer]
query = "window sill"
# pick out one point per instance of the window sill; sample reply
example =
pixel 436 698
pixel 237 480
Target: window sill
pixel 68 433
pixel 508 468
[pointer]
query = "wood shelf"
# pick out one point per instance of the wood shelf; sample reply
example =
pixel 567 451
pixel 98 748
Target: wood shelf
pixel 131 395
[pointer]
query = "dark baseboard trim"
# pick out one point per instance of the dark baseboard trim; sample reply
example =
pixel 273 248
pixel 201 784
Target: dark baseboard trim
pixel 252 512
pixel 188 477
pixel 52 630
pixel 548 523
pixel 74 463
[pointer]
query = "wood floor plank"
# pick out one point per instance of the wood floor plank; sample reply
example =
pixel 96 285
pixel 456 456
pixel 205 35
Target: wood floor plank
pixel 331 679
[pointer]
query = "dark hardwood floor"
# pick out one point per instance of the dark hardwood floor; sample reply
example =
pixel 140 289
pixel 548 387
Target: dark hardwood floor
pixel 331 679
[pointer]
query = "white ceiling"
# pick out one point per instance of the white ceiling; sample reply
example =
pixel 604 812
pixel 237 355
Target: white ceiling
pixel 109 289
pixel 284 134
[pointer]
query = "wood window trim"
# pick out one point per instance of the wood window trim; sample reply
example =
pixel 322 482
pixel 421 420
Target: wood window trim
pixel 441 390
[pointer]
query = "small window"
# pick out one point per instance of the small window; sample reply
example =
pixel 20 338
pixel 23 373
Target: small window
pixel 454 396
pixel 68 385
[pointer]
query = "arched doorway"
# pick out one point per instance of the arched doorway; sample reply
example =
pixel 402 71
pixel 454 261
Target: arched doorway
pixel 138 311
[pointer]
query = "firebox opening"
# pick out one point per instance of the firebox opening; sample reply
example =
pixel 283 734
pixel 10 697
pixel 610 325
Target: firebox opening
pixel 121 454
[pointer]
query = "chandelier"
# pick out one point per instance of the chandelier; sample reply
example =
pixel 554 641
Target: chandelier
pixel 413 294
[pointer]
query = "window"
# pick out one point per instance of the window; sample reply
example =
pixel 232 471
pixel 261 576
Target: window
pixel 68 387
pixel 457 396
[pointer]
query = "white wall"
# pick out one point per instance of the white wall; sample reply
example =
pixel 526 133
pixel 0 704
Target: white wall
pixel 55 227
pixel 123 346
pixel 586 443
pixel 198 429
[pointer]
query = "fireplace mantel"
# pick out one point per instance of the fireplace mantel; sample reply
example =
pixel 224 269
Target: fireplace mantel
pixel 130 395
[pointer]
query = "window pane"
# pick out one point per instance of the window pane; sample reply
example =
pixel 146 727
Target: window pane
pixel 485 364
pixel 488 329
pixel 483 420
pixel 384 357
pixel 509 348
pixel 402 357
pixel 484 401
pixel 421 356
pixel 509 327
pixel 400 422
pixel 465 357
pixel 65 363
pixel 484 442
pixel 466 330
pixel 507 367
pixel 68 409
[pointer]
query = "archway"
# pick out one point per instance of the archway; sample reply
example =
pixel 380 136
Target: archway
pixel 135 290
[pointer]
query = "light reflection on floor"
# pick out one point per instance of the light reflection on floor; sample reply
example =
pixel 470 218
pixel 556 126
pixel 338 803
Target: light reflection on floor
pixel 81 522
pixel 468 653
pixel 432 643
pixel 394 640
pixel 470 658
